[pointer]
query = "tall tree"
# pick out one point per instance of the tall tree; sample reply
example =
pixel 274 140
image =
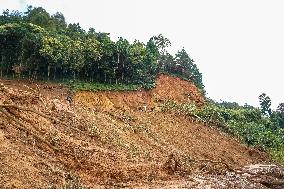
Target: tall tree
pixel 280 109
pixel 137 56
pixel 93 54
pixel 161 42
pixel 58 22
pixel 38 16
pixel 265 104
pixel 120 70
pixel 185 67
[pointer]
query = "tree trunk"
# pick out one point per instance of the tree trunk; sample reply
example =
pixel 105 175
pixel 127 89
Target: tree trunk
pixel 1 67
pixel 92 77
pixel 117 67
pixel 48 71
pixel 54 76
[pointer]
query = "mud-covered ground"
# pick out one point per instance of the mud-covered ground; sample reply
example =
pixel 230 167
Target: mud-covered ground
pixel 118 140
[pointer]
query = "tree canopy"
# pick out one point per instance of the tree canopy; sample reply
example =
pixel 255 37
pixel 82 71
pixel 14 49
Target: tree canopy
pixel 44 46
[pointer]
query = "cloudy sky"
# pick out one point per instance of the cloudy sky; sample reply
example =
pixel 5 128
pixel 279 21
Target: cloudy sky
pixel 237 44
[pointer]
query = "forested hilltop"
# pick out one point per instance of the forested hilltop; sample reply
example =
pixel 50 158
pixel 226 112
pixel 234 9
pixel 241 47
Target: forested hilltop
pixel 38 45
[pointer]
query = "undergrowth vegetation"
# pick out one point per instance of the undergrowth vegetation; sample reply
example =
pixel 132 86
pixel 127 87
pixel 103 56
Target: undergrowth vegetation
pixel 250 125
pixel 95 86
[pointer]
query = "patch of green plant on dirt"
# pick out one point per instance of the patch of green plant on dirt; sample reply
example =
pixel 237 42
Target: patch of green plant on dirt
pixel 95 86
pixel 55 139
pixel 70 182
pixel 250 125
pixel 94 130
pixel 73 182
pixel 278 154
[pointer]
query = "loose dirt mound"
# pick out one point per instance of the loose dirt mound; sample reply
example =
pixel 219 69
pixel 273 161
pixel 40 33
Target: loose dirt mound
pixel 105 140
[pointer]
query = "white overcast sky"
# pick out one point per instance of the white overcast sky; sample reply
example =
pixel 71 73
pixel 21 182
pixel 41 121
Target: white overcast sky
pixel 238 45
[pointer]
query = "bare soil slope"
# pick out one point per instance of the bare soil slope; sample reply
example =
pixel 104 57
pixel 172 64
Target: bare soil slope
pixel 111 139
pixel 167 88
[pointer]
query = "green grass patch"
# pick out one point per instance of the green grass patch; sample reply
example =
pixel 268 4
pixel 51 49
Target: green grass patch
pixel 95 86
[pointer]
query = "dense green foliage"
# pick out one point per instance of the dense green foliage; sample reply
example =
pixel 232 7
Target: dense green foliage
pixel 38 45
pixel 251 125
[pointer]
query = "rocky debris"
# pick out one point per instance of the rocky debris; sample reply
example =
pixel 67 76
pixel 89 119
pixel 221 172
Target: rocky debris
pixel 269 175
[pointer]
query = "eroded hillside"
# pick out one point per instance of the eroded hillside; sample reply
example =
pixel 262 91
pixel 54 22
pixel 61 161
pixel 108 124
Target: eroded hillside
pixel 114 139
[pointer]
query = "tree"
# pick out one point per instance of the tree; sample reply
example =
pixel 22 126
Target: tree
pixel 93 54
pixel 137 56
pixel 186 68
pixel 11 17
pixel 92 32
pixel 121 68
pixel 151 60
pixel 53 51
pixel 265 104
pixel 277 117
pixel 75 31
pixel 38 16
pixel 280 109
pixel 185 62
pixel 107 61
pixel 58 22
pixel 167 64
pixel 161 42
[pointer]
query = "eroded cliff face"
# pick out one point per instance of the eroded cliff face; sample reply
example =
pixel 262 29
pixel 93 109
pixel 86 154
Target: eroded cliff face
pixel 167 88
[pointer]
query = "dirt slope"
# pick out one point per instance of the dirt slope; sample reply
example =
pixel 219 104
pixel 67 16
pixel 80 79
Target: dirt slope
pixel 110 139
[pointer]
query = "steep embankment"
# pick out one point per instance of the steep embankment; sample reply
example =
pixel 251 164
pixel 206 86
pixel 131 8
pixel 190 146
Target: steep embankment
pixel 110 139
pixel 167 88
